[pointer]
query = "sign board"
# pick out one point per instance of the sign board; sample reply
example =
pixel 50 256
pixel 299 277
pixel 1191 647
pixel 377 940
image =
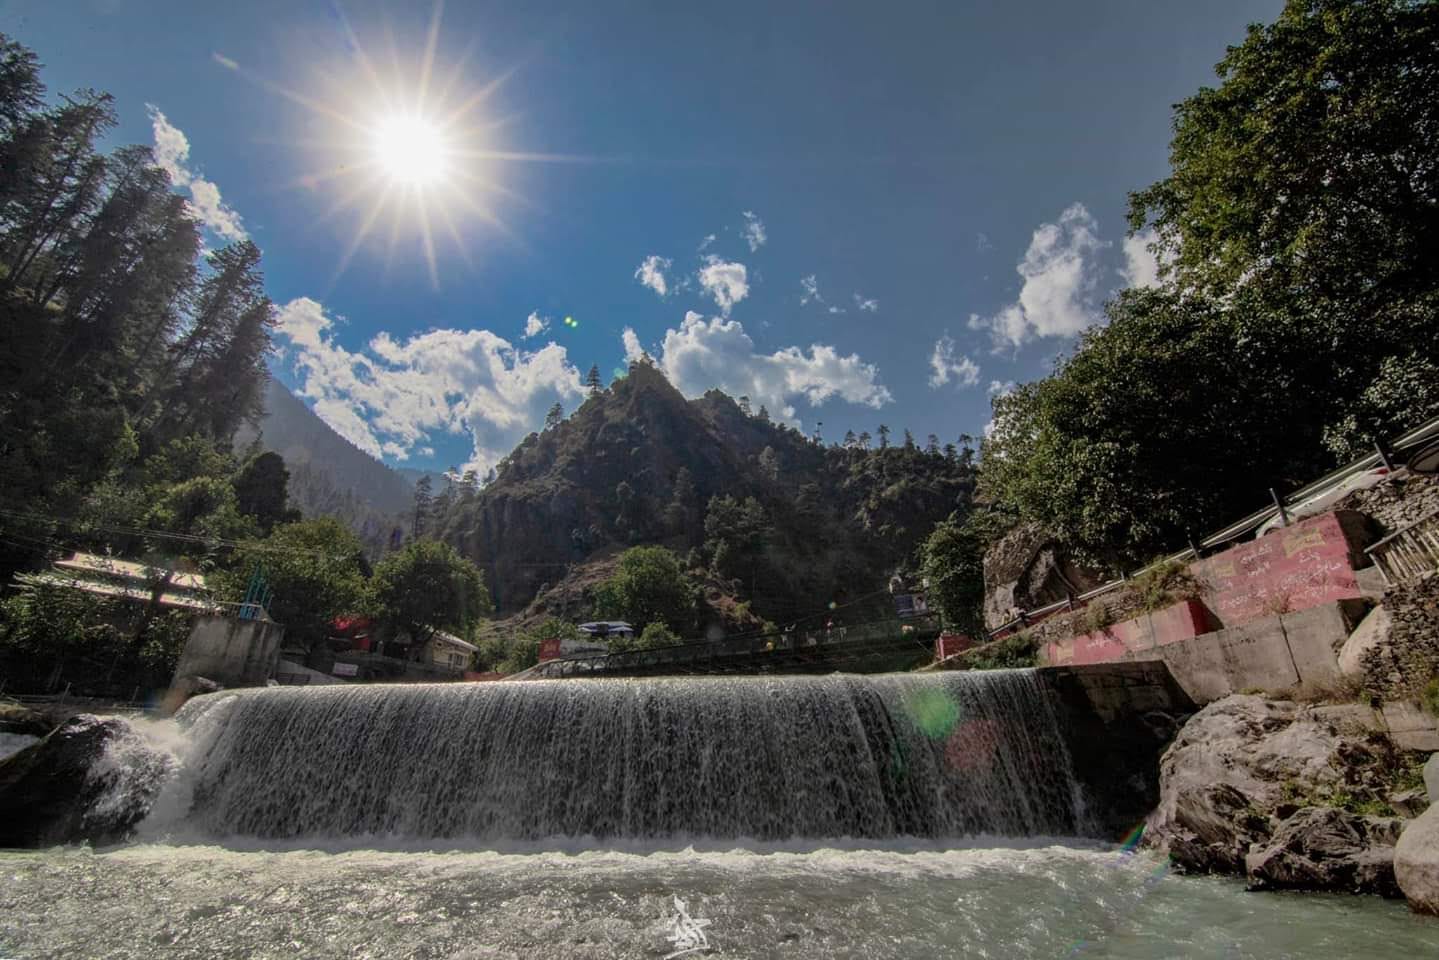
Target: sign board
pixel 345 670
pixel 910 605
pixel 555 647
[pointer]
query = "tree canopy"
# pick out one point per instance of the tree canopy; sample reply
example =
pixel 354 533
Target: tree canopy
pixel 1298 305
pixel 426 586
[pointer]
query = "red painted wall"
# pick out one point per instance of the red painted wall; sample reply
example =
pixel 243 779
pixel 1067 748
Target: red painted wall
pixel 948 644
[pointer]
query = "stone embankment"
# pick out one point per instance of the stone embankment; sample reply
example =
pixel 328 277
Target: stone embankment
pixel 1291 796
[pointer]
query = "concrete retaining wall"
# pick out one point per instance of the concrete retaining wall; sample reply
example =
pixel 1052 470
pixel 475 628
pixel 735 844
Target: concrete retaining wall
pixel 1273 654
pixel 233 653
pixel 1118 718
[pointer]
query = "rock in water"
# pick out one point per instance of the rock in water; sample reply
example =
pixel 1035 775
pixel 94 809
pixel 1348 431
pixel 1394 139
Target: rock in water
pixel 1416 861
pixel 88 780
pixel 1243 766
pixel 1321 848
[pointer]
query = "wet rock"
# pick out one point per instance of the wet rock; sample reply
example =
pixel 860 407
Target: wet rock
pixel 1244 766
pixel 90 779
pixel 1323 848
pixel 1416 861
pixel 20 719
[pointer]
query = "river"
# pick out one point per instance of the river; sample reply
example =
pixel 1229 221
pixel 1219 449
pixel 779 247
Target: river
pixel 610 818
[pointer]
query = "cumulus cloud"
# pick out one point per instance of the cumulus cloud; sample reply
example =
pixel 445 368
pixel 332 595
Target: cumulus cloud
pixel 810 286
pixel 172 154
pixel 535 325
pixel 866 305
pixel 389 398
pixel 753 232
pixel 947 365
pixel 651 273
pixel 1141 266
pixel 726 282
pixel 717 352
pixel 1060 271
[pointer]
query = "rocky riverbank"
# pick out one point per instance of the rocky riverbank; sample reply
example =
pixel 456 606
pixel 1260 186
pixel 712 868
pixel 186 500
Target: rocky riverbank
pixel 1293 796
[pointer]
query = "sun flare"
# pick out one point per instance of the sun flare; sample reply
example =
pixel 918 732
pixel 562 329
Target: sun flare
pixel 406 147
pixel 412 150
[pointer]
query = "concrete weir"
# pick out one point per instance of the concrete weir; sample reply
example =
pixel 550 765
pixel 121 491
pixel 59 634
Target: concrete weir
pixel 1118 718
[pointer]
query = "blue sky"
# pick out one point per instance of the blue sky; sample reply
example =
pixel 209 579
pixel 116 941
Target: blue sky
pixel 911 204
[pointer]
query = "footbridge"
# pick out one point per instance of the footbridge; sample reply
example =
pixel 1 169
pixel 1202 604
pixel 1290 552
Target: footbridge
pixel 857 648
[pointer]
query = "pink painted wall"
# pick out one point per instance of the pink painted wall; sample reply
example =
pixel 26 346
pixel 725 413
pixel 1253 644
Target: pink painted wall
pixel 1285 571
pixel 1170 625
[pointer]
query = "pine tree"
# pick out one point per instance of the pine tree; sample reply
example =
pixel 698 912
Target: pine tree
pixel 763 414
pixel 931 445
pixel 908 440
pixel 744 406
pixel 864 439
pixel 423 504
pixel 592 380
pixel 883 432
pixel 555 416
pixel 769 463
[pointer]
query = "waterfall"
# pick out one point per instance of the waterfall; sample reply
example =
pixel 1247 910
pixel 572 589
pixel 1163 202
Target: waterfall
pixel 773 758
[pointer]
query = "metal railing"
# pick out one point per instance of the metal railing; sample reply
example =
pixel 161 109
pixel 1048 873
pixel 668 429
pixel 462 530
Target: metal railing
pixel 1409 553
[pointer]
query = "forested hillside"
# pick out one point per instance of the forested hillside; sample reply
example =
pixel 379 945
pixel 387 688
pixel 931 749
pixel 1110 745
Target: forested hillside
pixel 793 523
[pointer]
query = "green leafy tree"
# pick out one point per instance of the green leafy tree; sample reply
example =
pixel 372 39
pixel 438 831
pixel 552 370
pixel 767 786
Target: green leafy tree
pixel 656 635
pixel 952 560
pixel 315 570
pixel 736 533
pixel 426 586
pixel 649 587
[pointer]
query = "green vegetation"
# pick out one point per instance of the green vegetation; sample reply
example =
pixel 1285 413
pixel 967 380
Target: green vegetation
pixel 1166 584
pixel 650 588
pixel 1290 325
pixel 1017 650
pixel 316 570
pixel 426 586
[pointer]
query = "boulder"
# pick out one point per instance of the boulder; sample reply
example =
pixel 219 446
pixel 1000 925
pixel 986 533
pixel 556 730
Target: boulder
pixel 1416 861
pixel 90 779
pixel 1431 777
pixel 1026 569
pixel 1371 634
pixel 1324 848
pixel 1243 766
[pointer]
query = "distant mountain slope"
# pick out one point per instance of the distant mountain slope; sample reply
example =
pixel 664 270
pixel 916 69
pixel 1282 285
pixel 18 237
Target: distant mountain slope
pixel 638 463
pixel 336 467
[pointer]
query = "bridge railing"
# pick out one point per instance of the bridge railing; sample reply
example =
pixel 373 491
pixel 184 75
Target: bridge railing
pixel 703 655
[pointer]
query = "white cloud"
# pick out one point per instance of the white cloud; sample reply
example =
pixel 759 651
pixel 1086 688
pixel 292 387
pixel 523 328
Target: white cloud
pixel 1002 388
pixel 717 352
pixel 172 154
pixel 704 244
pixel 727 282
pixel 810 285
pixel 866 305
pixel 1060 272
pixel 981 242
pixel 651 273
pixel 947 366
pixel 753 233
pixel 535 325
pixel 631 340
pixel 392 396
pixel 1141 266
pixel 836 310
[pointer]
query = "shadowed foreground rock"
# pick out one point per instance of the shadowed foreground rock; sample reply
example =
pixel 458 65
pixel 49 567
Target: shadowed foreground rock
pixel 1321 848
pixel 88 780
pixel 1252 786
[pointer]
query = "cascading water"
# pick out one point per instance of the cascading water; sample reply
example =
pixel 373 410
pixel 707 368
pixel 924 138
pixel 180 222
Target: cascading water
pixel 764 758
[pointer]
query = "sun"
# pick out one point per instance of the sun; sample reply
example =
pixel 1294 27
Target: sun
pixel 408 149
pixel 412 150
